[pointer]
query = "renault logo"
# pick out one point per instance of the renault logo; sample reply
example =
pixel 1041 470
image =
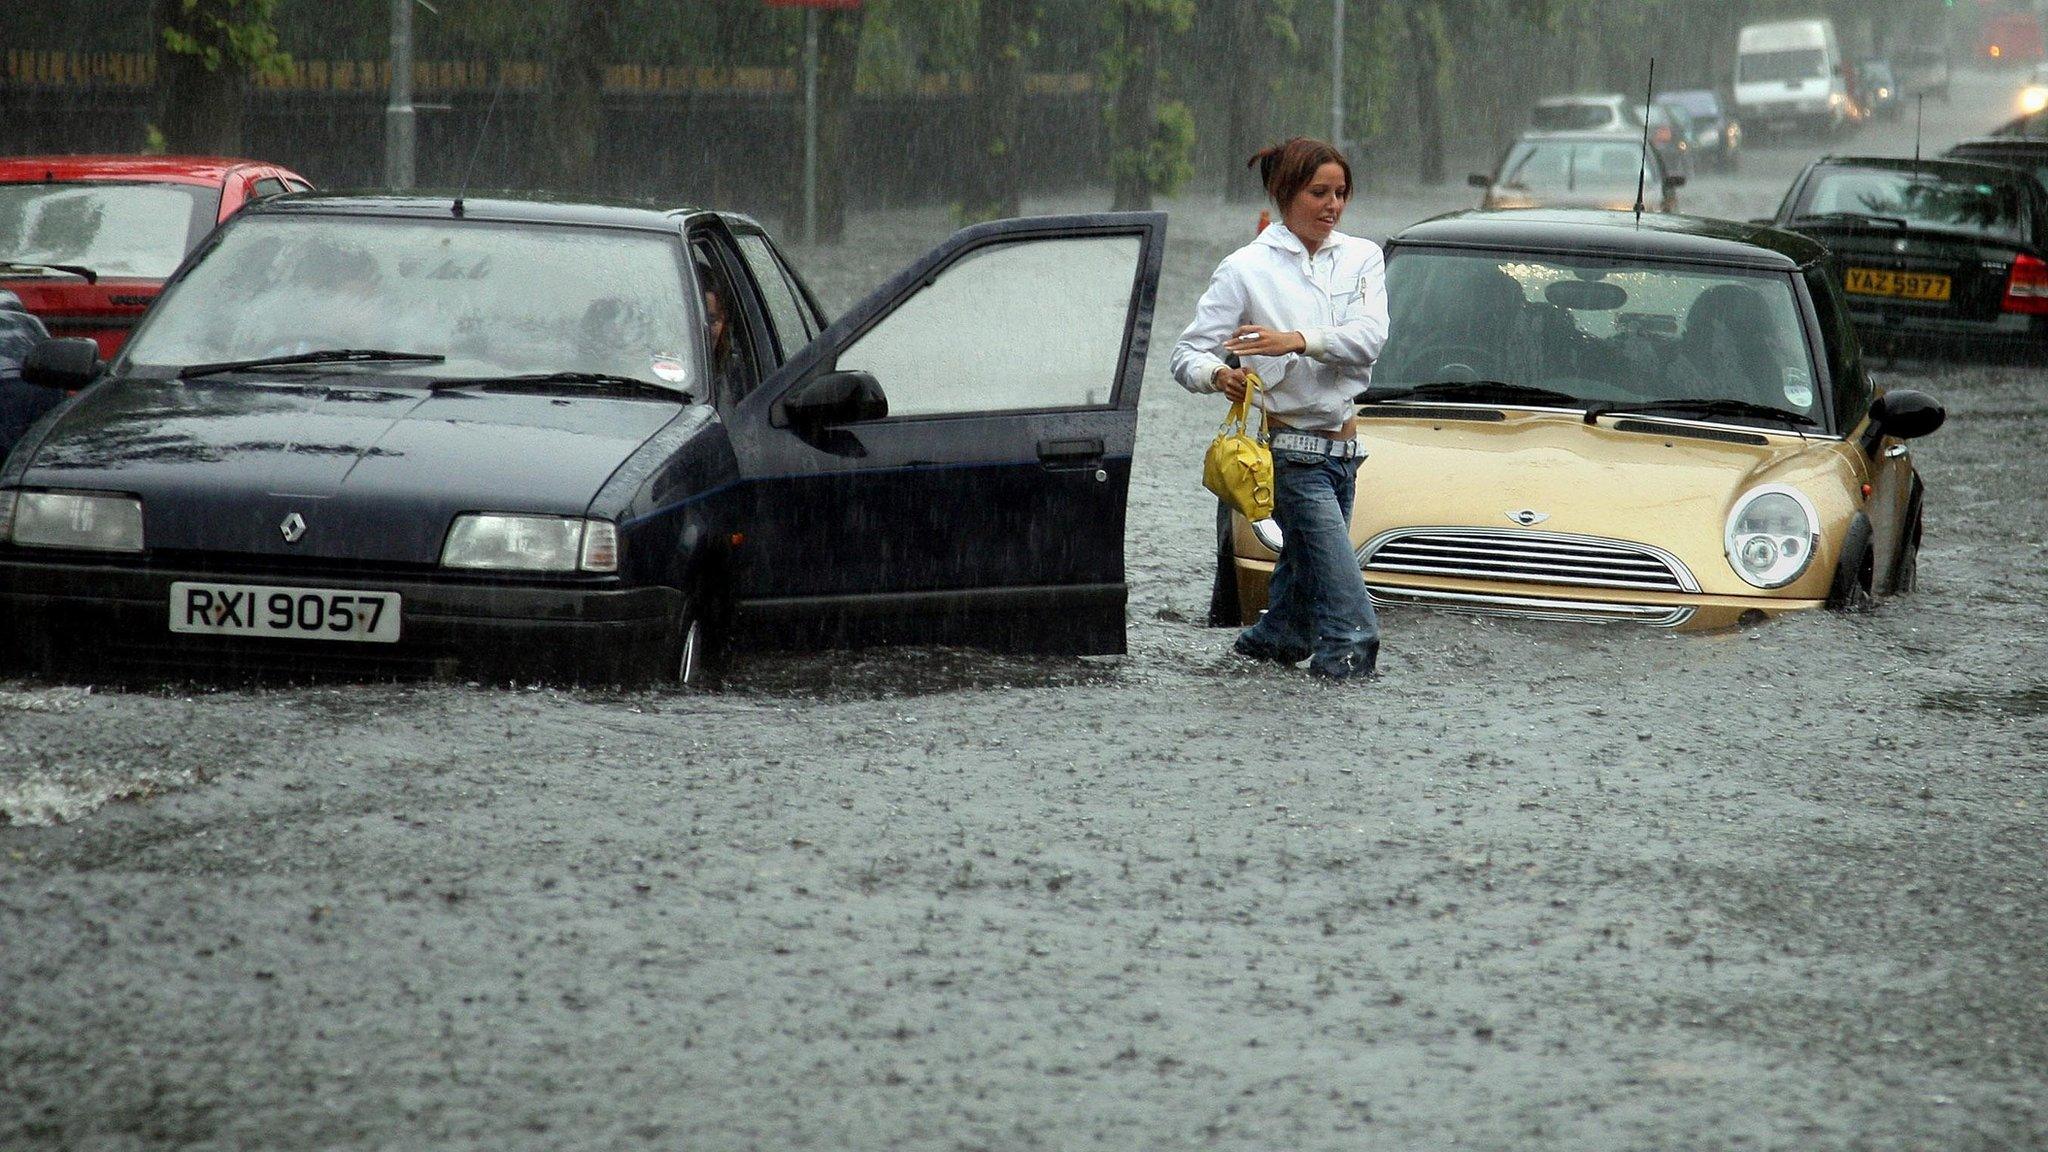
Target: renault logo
pixel 294 526
pixel 1528 517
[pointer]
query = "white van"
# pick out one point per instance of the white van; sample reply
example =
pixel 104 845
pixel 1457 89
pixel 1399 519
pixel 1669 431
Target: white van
pixel 1789 73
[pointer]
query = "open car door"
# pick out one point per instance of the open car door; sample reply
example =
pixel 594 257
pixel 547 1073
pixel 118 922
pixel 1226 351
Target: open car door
pixel 948 463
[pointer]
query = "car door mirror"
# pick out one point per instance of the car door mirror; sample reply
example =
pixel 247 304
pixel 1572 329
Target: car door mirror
pixel 1673 183
pixel 834 398
pixel 1478 181
pixel 1906 413
pixel 70 363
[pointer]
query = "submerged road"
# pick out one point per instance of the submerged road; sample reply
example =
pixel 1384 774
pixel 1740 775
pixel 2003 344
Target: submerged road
pixel 1542 887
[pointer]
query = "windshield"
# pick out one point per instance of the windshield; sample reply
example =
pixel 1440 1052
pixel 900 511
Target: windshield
pixel 140 230
pixel 494 299
pixel 1596 330
pixel 1574 166
pixel 1924 200
pixel 1790 64
pixel 1574 117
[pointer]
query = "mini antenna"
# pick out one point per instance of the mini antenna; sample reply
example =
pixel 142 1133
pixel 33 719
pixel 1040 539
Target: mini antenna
pixel 1643 169
pixel 477 148
pixel 1919 113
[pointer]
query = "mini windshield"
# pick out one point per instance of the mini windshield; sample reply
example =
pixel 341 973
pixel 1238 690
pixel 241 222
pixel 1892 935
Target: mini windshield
pixel 1575 166
pixel 494 299
pixel 1789 64
pixel 139 230
pixel 1597 331
pixel 1925 199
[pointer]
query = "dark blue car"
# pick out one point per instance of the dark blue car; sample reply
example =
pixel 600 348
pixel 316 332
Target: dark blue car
pixel 413 434
pixel 20 402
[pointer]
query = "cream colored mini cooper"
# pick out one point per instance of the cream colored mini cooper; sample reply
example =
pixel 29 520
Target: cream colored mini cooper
pixel 1580 417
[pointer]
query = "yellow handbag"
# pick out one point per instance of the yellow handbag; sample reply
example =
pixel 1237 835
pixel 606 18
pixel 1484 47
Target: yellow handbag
pixel 1239 466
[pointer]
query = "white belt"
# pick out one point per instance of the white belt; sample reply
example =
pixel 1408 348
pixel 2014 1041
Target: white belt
pixel 1320 445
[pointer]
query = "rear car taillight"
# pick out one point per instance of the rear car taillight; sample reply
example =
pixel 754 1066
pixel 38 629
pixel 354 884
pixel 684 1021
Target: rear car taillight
pixel 2026 290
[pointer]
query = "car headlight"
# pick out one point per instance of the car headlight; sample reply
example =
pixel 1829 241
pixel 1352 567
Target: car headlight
pixel 99 521
pixel 531 543
pixel 1771 536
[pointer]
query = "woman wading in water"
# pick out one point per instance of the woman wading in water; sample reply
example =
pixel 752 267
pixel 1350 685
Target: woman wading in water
pixel 1304 306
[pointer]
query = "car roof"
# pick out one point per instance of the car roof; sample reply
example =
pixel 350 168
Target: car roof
pixel 1585 98
pixel 2030 145
pixel 1581 135
pixel 1658 235
pixel 162 169
pixel 1948 169
pixel 502 207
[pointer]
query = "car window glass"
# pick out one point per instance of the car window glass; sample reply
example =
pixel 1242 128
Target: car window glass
pixel 1597 330
pixel 787 316
pixel 734 368
pixel 114 229
pixel 1781 66
pixel 1924 199
pixel 1838 338
pixel 268 186
pixel 1024 325
pixel 1571 117
pixel 1574 165
pixel 616 301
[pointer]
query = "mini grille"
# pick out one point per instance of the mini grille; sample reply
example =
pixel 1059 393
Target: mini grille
pixel 1528 557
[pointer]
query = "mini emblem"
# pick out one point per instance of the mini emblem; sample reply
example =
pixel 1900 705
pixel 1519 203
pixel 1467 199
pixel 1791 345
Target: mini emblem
pixel 1527 517
pixel 294 526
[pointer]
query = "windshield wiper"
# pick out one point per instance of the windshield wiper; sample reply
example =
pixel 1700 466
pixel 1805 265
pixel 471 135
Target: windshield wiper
pixel 1854 217
pixel 1701 406
pixel 325 356
pixel 91 277
pixel 1480 391
pixel 543 379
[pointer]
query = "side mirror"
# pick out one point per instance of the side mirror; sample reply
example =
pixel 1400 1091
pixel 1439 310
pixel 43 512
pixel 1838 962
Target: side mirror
pixel 70 363
pixel 834 398
pixel 1906 413
pixel 1478 181
pixel 1673 183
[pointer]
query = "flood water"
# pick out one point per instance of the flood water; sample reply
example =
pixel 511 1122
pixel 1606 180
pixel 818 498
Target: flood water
pixel 1542 886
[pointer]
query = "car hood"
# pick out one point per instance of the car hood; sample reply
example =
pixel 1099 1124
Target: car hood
pixel 376 468
pixel 1669 489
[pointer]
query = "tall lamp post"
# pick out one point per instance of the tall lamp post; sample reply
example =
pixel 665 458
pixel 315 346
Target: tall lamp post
pixel 811 8
pixel 400 117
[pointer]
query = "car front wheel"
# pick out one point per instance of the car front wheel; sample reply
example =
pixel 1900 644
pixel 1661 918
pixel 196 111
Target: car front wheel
pixel 693 659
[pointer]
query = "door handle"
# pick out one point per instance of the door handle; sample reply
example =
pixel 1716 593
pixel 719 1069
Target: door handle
pixel 1078 453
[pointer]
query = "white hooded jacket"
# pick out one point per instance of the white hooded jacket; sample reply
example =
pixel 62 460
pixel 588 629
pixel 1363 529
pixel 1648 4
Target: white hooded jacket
pixel 1336 299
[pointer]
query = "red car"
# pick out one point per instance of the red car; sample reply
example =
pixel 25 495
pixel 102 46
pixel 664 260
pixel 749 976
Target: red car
pixel 87 241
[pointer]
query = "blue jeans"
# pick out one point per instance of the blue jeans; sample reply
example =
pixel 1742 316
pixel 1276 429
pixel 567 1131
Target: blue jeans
pixel 1316 606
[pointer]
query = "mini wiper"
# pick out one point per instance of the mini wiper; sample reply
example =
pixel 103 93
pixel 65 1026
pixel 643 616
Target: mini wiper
pixel 91 277
pixel 1853 217
pixel 323 356
pixel 587 379
pixel 1479 391
pixel 1699 406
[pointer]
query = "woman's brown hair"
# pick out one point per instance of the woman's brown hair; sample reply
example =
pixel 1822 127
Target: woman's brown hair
pixel 1286 169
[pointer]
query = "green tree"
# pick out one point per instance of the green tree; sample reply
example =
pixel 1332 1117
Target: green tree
pixel 1152 142
pixel 990 185
pixel 206 51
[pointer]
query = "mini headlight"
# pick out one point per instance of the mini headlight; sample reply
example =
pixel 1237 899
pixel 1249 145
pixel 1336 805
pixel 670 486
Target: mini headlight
pixel 530 543
pixel 98 521
pixel 1771 536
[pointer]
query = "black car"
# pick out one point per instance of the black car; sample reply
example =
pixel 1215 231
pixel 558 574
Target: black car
pixel 2027 153
pixel 593 441
pixel 1947 251
pixel 20 402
